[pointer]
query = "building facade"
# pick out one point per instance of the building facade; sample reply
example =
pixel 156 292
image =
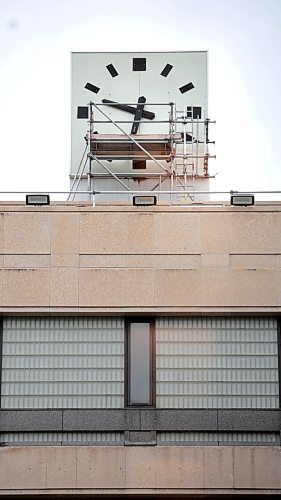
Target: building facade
pixel 140 350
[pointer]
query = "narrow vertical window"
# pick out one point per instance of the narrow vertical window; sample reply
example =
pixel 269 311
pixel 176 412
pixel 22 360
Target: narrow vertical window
pixel 140 364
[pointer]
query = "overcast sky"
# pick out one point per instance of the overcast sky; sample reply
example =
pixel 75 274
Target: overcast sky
pixel 243 38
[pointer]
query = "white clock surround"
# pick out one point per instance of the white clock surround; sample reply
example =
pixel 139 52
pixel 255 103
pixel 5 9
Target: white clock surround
pixel 185 69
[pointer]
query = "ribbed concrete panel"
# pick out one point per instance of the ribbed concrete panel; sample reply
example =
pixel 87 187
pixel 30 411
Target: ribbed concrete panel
pixel 63 363
pixel 216 363
pixel 218 438
pixel 62 438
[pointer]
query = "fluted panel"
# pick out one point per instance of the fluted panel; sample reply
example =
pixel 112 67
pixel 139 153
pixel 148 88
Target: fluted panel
pixel 63 363
pixel 216 363
pixel 62 438
pixel 218 438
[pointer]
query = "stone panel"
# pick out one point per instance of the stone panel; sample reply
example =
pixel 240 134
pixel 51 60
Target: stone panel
pixel 140 233
pixel 249 420
pixel 27 233
pixel 179 420
pixel 101 420
pixel 30 420
pixel 254 287
pixel 103 233
pixel 252 232
pixel 140 467
pixel 102 287
pixel 65 260
pixel 101 467
pixel 26 261
pixel 140 438
pixel 64 287
pixel 253 261
pixel 215 260
pixel 214 233
pixel 65 233
pixel 257 467
pixel 101 261
pixel 23 468
pixel 216 286
pixel 1 233
pixel 61 467
pixel 140 287
pixel 177 288
pixel 218 467
pixel 177 233
pixel 179 467
pixel 26 287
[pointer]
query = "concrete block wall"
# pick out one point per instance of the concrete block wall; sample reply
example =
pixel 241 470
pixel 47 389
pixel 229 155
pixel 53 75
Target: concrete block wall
pixel 146 470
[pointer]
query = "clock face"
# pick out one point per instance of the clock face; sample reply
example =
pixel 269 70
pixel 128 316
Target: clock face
pixel 140 80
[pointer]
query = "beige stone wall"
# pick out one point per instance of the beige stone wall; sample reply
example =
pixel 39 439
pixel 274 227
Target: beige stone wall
pixel 140 470
pixel 76 259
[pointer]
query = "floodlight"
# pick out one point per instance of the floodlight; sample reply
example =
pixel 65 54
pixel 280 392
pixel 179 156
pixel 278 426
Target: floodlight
pixel 37 199
pixel 144 200
pixel 242 200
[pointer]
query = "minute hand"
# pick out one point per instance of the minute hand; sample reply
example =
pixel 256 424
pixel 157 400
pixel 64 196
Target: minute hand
pixel 124 107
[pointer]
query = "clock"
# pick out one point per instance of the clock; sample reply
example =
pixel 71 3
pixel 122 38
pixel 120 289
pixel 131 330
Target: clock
pixel 138 92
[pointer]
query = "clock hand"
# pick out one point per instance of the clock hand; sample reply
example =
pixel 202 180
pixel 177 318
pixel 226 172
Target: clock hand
pixel 130 109
pixel 138 114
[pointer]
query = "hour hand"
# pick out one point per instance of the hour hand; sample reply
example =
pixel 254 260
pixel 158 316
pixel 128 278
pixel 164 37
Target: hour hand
pixel 130 109
pixel 138 114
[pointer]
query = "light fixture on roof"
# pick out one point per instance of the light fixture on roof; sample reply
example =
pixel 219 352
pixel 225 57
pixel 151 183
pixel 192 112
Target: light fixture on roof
pixel 144 200
pixel 242 199
pixel 37 199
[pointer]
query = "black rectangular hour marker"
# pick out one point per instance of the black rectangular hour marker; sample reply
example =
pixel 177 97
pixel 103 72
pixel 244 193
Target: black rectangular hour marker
pixel 112 70
pixel 194 112
pixel 83 112
pixel 139 64
pixel 186 87
pixel 166 70
pixel 197 112
pixel 92 88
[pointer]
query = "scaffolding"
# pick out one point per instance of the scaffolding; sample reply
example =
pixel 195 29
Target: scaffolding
pixel 167 164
